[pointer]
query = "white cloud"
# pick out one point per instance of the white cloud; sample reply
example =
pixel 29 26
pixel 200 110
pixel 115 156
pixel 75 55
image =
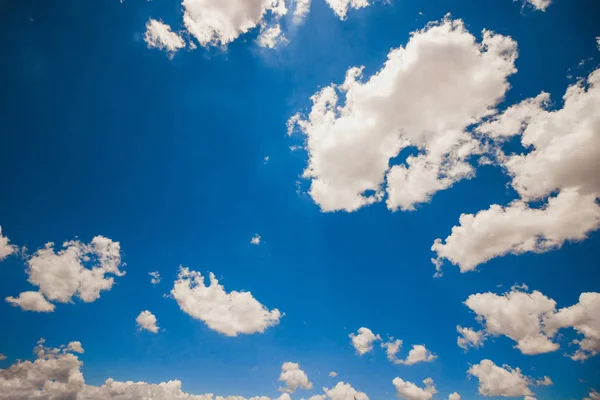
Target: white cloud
pixel 517 229
pixel 6 249
pixel 517 315
pixel 529 398
pixel 332 374
pixel 417 354
pixel 293 378
pixel 155 277
pixel 363 340
pixel 454 396
pixel 271 37
pixel 410 391
pixel 266 159
pixel 424 97
pixel 255 239
pixel 541 5
pixel 343 391
pixel 584 317
pixel 301 10
pixel 317 397
pixel 160 36
pixel 392 348
pixel 75 347
pixel 217 23
pixel 2 357
pixel 31 301
pixel 546 381
pixel 594 395
pixel 146 320
pixel 341 7
pixel 228 313
pixel 500 381
pixel 469 338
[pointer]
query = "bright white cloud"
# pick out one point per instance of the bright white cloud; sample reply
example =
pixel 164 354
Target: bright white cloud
pixel 146 320
pixel 392 348
pixel 217 23
pixel 31 301
pixel 231 313
pixel 500 381
pixel 154 277
pixel 343 391
pixel 417 354
pixel 341 7
pixel 6 249
pixel 517 229
pixel 363 340
pixel 255 240
pixel 584 317
pixel 469 338
pixel 424 97
pixel 541 5
pixel 410 391
pixel 454 396
pixel 271 37
pixel 301 10
pixel 75 347
pixel 160 36
pixel 293 378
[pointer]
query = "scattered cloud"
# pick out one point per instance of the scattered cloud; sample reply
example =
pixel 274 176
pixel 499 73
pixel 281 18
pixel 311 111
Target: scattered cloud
pixel 410 391
pixel 341 7
pixel 500 381
pixel 363 340
pixel 541 5
pixel 75 347
pixel 6 249
pixel 343 391
pixel 301 10
pixel 2 357
pixel 454 396
pixel 160 36
pixel 231 313
pixel 443 72
pixel 154 277
pixel 332 374
pixel 417 354
pixel 31 301
pixel 271 37
pixel 255 239
pixel 469 338
pixel 546 381
pixel 293 378
pixel 266 160
pixel 392 348
pixel 146 320
pixel 594 395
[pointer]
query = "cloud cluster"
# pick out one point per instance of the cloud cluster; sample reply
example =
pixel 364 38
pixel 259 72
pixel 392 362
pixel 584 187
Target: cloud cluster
pixel 424 98
pixel 500 381
pixel 541 5
pixel 160 36
pixel 341 7
pixel 230 313
pixel 6 249
pixel 410 391
pixel 418 353
pixel 154 277
pixel 363 340
pixel 532 321
pixel 293 378
pixel 77 270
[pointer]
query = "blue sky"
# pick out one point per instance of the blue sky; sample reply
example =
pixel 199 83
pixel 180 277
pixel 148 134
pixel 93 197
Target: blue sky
pixel 164 152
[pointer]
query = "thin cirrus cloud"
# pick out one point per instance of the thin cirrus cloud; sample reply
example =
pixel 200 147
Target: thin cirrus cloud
pixel 443 71
pixel 77 270
pixel 532 321
pixel 230 313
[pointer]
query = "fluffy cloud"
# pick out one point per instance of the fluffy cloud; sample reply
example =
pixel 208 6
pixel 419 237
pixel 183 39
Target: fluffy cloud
pixel 469 338
pixel 517 229
pixel 343 391
pixel 2 357
pixel 271 37
pixel 539 4
pixel 410 391
pixel 454 396
pixel 75 347
pixel 392 348
pixel 146 320
pixel 341 7
pixel 594 395
pixel 215 22
pixel 363 340
pixel 417 354
pixel 293 378
pixel 424 98
pixel 301 10
pixel 231 313
pixel 6 249
pixel 31 301
pixel 500 381
pixel 584 317
pixel 332 374
pixel 159 36
pixel 155 277
pixel 255 239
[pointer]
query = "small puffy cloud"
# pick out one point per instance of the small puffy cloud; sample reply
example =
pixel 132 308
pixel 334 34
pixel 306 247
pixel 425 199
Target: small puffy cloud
pixel 6 249
pixel 146 320
pixel 75 347
pixel 500 381
pixel 343 391
pixel 517 229
pixel 154 277
pixel 584 317
pixel 546 381
pixel 301 10
pixel 271 37
pixel 160 36
pixel 541 5
pixel 469 338
pixel 417 354
pixel 217 23
pixel 293 378
pixel 363 340
pixel 332 374
pixel 392 348
pixel 424 97
pixel 255 239
pixel 410 391
pixel 266 160
pixel 31 301
pixel 594 395
pixel 341 7
pixel 2 357
pixel 231 313
pixel 454 396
